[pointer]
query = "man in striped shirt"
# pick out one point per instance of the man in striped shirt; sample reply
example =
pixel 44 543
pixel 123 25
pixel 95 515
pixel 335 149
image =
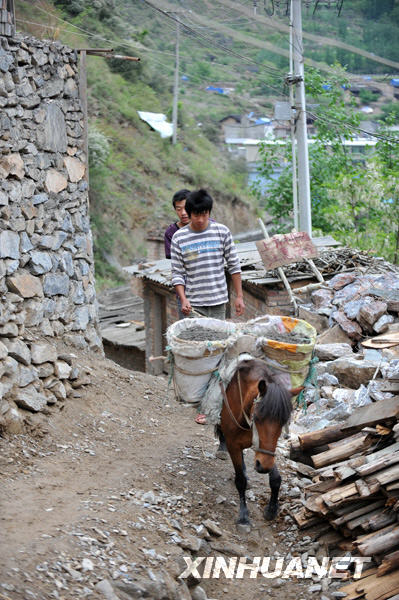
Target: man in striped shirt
pixel 199 251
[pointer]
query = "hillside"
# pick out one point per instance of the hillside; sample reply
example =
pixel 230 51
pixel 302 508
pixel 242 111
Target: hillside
pixel 133 172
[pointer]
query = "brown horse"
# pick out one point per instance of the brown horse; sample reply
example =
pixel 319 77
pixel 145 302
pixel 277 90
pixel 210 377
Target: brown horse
pixel 255 409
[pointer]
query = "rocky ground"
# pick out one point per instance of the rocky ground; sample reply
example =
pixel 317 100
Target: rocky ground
pixel 102 498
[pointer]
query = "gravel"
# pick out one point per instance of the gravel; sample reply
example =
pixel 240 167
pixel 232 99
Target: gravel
pixel 200 334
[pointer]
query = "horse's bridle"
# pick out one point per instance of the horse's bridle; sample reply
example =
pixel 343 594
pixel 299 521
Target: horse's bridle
pixel 250 420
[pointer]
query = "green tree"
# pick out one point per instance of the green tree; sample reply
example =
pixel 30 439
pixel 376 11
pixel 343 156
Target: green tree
pixel 328 157
pixel 387 161
pixel 390 112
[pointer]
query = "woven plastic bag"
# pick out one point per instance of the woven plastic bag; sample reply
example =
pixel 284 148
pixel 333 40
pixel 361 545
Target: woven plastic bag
pixel 193 362
pixel 286 344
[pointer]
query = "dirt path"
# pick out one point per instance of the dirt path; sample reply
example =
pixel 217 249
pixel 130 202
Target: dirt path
pixel 109 486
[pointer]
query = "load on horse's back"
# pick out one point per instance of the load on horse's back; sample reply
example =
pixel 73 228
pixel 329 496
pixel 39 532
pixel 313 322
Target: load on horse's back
pixel 255 409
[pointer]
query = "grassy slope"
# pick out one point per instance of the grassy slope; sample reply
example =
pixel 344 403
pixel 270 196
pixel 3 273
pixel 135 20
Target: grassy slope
pixel 132 193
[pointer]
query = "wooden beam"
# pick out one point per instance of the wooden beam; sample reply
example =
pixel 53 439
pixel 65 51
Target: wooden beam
pixel 371 414
pixel 344 450
pixel 321 437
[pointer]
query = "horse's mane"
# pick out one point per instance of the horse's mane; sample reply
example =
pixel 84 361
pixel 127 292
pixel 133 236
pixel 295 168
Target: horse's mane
pixel 276 404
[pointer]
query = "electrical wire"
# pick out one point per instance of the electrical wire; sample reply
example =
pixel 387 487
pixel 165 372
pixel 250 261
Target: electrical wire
pixel 44 26
pixel 270 70
pixel 280 91
pixel 167 67
pixel 273 70
pixel 353 127
pixel 125 44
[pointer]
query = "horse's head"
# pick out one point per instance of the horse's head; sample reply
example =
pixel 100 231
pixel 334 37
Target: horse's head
pixel 272 411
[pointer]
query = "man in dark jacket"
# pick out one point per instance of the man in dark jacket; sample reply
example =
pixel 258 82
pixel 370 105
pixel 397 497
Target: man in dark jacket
pixel 179 203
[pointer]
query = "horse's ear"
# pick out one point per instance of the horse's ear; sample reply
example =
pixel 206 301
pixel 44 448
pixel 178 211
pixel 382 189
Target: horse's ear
pixel 262 387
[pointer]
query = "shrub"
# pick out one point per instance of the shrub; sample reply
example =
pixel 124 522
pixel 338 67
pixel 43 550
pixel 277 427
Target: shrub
pixel 99 148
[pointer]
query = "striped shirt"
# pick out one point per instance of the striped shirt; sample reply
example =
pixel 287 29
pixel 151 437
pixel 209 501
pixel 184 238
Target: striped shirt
pixel 198 263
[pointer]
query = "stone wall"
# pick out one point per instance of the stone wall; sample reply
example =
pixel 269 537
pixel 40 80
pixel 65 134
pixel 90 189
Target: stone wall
pixel 46 259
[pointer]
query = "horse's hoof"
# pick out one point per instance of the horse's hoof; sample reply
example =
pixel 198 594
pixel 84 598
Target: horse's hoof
pixel 243 527
pixel 270 513
pixel 222 454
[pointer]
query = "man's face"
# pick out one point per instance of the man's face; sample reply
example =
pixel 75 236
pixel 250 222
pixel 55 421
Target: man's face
pixel 181 212
pixel 199 221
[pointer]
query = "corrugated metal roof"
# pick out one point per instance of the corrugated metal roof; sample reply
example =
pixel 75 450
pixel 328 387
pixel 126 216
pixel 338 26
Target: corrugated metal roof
pixel 160 271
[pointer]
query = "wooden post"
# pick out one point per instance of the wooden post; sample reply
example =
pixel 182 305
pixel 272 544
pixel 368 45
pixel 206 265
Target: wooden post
pixel 281 272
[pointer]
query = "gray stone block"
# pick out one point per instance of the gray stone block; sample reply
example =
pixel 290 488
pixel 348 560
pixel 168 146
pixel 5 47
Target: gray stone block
pixel 54 285
pixel 9 244
pixel 30 399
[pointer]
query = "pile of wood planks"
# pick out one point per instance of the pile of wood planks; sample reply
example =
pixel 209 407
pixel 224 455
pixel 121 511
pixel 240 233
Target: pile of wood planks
pixel 354 469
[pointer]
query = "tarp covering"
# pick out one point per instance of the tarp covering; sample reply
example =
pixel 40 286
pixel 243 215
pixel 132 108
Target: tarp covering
pixel 158 122
pixel 218 90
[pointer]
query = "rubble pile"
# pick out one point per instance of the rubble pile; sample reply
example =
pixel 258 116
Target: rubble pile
pixel 363 301
pixel 345 444
pixel 353 468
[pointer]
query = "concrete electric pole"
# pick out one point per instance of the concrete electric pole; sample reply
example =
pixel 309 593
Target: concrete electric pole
pixel 176 84
pixel 293 141
pixel 305 210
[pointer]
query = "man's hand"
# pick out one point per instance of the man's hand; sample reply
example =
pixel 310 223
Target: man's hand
pixel 185 307
pixel 239 306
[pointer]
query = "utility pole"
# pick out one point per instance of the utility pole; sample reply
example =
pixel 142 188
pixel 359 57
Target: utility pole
pixel 293 141
pixel 305 212
pixel 176 85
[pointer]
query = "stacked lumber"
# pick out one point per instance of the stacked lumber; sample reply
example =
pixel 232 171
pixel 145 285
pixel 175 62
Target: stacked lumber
pixel 354 468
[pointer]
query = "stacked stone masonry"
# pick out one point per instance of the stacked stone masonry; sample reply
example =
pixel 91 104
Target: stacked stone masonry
pixel 46 258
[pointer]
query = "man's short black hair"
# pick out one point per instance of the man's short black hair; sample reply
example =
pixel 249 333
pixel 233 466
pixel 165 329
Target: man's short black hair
pixel 179 196
pixel 199 202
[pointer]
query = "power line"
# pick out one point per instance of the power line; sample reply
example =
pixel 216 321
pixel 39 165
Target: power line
pixel 213 42
pixel 200 37
pixel 185 27
pixel 124 43
pixel 167 67
pixel 353 128
pixel 44 26
pixel 275 24
pixel 197 78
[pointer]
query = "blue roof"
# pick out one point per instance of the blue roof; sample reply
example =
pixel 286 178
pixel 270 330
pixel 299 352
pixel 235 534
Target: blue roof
pixel 395 82
pixel 262 121
pixel 212 88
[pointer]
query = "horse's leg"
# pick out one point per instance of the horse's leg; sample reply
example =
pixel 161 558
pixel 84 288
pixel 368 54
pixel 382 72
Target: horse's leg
pixel 271 509
pixel 221 452
pixel 241 485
